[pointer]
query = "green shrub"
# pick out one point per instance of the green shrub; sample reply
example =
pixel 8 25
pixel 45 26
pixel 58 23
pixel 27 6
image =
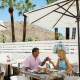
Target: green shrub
pixel 30 39
pixel 26 39
pixel 37 39
pixel 3 38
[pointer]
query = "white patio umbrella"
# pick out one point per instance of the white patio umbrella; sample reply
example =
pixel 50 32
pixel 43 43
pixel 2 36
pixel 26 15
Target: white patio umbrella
pixel 49 15
pixel 56 14
pixel 2 26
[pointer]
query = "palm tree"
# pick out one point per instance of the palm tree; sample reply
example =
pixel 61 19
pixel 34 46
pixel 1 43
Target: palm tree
pixel 26 6
pixel 56 29
pixel 56 33
pixel 67 33
pixel 73 33
pixel 10 3
pixel 3 39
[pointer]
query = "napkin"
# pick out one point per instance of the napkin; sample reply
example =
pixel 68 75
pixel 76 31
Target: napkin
pixel 61 71
pixel 32 71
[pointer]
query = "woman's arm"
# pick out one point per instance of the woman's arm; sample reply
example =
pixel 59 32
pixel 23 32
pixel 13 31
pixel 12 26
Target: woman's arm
pixel 68 64
pixel 55 66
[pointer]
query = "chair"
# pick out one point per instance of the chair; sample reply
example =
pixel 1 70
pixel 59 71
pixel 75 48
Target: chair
pixel 18 67
pixel 18 58
pixel 75 69
pixel 18 78
pixel 1 75
pixel 1 72
pixel 72 78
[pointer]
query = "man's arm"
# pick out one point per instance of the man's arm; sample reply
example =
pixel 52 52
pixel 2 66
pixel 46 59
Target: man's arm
pixel 26 68
pixel 43 62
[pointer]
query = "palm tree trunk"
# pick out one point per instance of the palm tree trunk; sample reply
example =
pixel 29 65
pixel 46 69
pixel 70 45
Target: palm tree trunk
pixel 3 41
pixel 12 23
pixel 56 33
pixel 73 33
pixel 67 33
pixel 24 27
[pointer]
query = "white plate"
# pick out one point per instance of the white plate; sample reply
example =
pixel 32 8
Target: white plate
pixel 53 70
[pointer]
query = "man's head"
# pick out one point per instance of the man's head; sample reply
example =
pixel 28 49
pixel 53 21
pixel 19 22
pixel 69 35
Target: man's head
pixel 35 51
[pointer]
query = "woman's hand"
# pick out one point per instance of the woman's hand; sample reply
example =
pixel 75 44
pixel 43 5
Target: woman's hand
pixel 50 61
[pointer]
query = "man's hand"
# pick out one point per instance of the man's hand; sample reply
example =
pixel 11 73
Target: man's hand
pixel 26 68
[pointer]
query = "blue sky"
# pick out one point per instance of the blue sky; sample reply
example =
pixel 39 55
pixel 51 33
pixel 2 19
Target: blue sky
pixel 5 16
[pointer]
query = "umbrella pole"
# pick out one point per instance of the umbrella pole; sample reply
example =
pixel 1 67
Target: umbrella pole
pixel 77 6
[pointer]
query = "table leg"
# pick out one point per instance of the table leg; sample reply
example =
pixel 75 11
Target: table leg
pixel 8 72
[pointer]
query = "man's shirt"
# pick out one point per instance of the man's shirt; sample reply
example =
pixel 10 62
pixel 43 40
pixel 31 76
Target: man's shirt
pixel 32 63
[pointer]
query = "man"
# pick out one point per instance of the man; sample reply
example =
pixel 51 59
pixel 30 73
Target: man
pixel 33 61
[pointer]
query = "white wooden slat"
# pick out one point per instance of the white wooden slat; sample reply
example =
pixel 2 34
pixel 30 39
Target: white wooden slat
pixel 39 51
pixel 29 50
pixel 41 42
pixel 73 50
pixel 40 47
pixel 37 42
pixel 46 47
pixel 55 41
pixel 73 47
pixel 31 45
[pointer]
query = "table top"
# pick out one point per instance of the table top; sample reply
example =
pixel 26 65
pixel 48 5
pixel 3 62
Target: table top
pixel 46 76
pixel 12 62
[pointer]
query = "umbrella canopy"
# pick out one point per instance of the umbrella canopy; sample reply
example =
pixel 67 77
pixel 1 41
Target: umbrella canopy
pixel 2 26
pixel 53 15
pixel 50 15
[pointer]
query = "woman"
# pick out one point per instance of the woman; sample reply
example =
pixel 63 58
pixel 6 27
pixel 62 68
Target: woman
pixel 63 63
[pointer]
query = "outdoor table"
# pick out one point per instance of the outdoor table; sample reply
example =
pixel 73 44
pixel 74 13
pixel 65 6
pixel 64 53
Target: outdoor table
pixel 10 65
pixel 46 76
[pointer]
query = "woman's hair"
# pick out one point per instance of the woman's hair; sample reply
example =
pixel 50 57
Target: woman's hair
pixel 63 55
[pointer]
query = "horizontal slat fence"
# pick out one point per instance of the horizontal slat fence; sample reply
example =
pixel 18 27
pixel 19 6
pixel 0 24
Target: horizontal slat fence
pixel 44 46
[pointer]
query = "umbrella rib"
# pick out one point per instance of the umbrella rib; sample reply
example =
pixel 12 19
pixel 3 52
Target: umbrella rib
pixel 66 14
pixel 3 26
pixel 49 13
pixel 67 10
pixel 47 7
pixel 63 14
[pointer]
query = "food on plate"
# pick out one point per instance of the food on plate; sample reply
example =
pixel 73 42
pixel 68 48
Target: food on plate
pixel 39 71
pixel 50 71
pixel 45 69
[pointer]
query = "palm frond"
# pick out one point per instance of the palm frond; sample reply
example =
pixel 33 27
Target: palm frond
pixel 20 13
pixel 50 1
pixel 26 1
pixel 1 7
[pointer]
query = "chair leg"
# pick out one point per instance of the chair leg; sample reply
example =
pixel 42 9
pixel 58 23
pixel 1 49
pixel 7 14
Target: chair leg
pixel 1 76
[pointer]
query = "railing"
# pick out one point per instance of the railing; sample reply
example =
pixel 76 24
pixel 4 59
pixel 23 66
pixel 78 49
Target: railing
pixel 44 46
